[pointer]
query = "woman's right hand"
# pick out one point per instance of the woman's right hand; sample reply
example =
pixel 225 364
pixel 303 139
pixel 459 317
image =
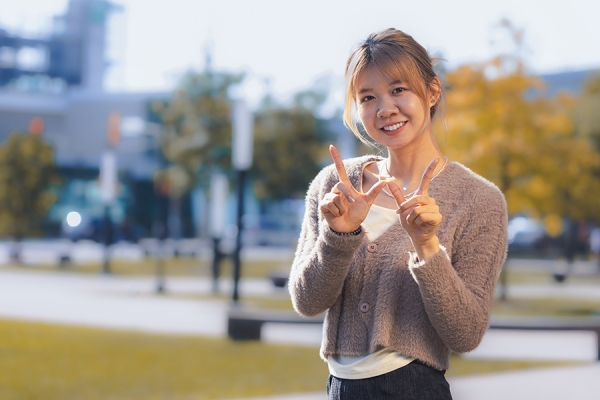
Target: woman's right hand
pixel 344 207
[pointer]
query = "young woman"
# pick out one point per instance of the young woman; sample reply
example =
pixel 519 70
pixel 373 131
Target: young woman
pixel 401 253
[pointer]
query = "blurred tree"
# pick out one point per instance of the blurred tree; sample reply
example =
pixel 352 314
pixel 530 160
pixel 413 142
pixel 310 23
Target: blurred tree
pixel 196 134
pixel 27 171
pixel 500 125
pixel 289 145
pixel 587 116
pixel 196 128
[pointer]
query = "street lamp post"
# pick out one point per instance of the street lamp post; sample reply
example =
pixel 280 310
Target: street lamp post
pixel 159 256
pixel 108 183
pixel 242 161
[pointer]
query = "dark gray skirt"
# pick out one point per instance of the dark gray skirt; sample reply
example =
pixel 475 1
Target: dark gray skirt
pixel 415 381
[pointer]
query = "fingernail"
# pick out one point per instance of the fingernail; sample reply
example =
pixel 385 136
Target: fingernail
pixel 351 199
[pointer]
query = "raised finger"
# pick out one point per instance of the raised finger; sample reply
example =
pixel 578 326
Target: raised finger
pixel 426 178
pixel 397 193
pixel 372 194
pixel 339 165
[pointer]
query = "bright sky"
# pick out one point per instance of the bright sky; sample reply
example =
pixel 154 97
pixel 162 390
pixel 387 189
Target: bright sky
pixel 295 41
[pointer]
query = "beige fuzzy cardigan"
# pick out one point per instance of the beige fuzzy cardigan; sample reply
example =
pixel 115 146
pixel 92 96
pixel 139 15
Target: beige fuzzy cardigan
pixel 378 295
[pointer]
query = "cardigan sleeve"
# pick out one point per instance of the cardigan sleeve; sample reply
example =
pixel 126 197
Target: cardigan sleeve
pixel 458 291
pixel 322 259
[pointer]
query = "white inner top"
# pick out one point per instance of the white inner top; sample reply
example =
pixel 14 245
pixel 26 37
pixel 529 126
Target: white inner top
pixel 378 220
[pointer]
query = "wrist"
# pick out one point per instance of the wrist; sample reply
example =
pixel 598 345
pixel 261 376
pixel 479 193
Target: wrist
pixel 428 249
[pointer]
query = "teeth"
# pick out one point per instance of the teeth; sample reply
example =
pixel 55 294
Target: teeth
pixel 393 127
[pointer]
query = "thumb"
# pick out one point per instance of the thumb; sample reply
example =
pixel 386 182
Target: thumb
pixel 372 194
pixel 397 193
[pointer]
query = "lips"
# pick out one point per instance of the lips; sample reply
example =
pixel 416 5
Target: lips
pixel 394 127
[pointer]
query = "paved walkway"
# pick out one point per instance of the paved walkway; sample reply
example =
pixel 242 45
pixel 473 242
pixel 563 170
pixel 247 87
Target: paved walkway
pixel 131 303
pixel 580 383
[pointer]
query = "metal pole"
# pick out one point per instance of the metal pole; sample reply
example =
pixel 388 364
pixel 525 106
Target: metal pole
pixel 241 158
pixel 504 280
pixel 216 264
pixel 107 239
pixel 159 230
pixel 160 266
pixel 238 240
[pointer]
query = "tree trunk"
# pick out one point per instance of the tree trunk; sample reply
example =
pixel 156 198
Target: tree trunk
pixel 505 184
pixel 174 222
pixel 15 250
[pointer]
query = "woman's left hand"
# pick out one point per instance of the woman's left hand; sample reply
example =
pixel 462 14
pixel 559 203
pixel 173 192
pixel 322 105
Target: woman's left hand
pixel 420 215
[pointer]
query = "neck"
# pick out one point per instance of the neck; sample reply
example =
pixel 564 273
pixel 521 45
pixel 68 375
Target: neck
pixel 407 166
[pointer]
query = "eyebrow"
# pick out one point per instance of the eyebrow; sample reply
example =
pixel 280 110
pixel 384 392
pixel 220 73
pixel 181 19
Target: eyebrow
pixel 393 83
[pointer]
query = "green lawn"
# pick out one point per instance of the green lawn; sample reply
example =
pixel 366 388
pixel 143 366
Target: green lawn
pixel 180 266
pixel 546 278
pixel 41 361
pixel 194 267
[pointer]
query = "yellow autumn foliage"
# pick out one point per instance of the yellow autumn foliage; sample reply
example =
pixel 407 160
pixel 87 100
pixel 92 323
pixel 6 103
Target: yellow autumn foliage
pixel 196 130
pixel 26 174
pixel 503 127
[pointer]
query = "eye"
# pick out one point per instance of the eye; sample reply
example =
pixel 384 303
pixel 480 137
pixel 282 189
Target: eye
pixel 366 98
pixel 398 90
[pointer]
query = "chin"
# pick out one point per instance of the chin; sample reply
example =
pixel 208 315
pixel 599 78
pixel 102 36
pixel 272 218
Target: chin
pixel 392 143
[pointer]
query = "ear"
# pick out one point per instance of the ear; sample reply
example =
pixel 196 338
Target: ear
pixel 435 90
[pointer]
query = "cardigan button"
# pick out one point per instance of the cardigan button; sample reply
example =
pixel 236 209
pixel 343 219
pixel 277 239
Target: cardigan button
pixel 372 247
pixel 364 307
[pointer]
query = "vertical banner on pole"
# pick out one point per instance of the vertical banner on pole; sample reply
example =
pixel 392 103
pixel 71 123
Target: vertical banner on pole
pixel 108 163
pixel 218 201
pixel 242 161
pixel 242 136
pixel 108 177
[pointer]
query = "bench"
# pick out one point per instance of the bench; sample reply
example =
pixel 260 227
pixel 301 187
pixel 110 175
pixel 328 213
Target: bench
pixel 246 324
pixel 548 324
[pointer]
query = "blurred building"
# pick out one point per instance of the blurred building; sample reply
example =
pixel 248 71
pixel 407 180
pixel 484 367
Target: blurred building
pixel 59 76
pixel 571 81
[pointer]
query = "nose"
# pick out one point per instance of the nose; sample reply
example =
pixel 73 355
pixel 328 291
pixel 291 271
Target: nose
pixel 386 108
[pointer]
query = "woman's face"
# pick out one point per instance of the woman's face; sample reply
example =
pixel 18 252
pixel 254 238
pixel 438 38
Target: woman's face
pixel 391 112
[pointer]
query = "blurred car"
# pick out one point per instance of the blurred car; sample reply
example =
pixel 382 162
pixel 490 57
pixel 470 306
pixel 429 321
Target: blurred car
pixel 525 236
pixel 78 226
pixel 81 226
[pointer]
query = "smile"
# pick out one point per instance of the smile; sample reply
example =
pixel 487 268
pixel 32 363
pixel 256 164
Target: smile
pixel 393 127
